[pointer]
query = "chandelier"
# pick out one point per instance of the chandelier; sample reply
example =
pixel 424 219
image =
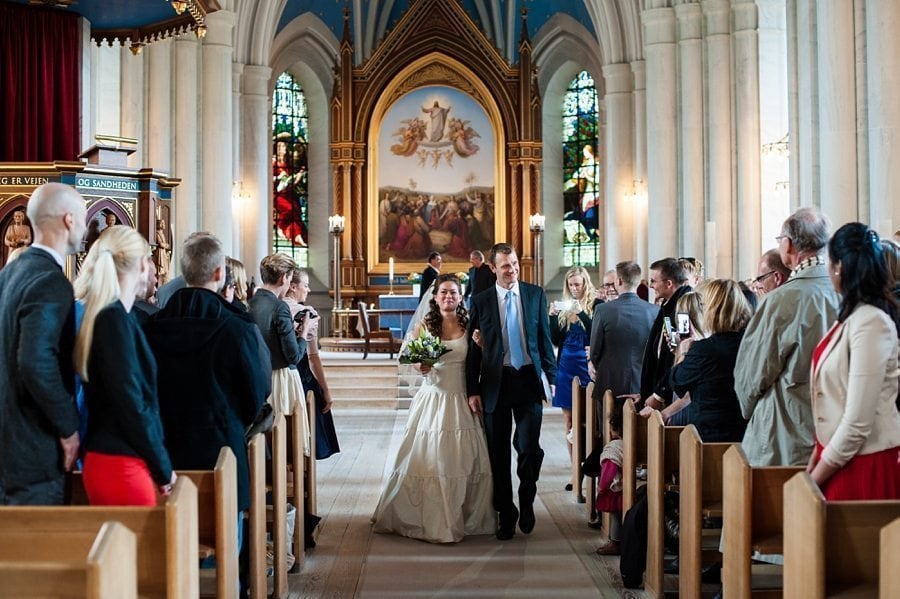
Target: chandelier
pixel 782 147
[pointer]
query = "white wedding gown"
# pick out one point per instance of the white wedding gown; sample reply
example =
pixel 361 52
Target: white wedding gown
pixel 440 487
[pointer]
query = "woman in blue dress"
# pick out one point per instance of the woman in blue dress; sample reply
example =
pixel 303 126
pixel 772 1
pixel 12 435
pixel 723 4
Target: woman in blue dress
pixel 571 335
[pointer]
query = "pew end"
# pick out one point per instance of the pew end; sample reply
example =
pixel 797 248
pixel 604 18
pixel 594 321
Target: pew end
pixel 662 474
pixel 634 439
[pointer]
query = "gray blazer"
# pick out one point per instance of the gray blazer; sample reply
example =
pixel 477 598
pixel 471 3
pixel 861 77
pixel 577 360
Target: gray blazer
pixel 618 335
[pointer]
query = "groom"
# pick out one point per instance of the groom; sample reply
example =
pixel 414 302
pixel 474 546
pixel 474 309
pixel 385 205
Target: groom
pixel 509 350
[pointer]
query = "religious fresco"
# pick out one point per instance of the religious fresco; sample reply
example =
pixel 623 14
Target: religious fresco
pixel 435 176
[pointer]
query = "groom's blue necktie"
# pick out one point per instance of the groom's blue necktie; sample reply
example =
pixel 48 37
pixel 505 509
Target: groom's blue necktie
pixel 513 334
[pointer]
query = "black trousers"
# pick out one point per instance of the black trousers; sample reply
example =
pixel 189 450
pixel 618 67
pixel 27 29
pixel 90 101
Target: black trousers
pixel 519 403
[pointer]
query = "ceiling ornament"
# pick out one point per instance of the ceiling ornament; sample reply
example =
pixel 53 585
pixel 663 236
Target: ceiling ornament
pixel 187 15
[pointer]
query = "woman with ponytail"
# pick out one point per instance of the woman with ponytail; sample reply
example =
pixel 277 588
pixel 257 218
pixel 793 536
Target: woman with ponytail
pixel 854 377
pixel 125 461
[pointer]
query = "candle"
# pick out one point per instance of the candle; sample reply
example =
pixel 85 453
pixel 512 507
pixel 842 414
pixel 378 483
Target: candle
pixel 391 269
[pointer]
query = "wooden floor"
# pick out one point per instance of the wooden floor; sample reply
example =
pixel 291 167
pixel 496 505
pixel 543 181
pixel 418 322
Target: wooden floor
pixel 556 560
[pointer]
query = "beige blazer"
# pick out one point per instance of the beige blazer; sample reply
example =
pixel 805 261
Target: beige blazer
pixel 854 387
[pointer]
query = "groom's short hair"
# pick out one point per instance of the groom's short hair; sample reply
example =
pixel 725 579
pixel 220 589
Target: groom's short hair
pixel 500 248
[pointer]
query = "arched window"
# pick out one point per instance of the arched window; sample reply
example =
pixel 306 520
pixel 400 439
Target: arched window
pixel 582 173
pixel 290 145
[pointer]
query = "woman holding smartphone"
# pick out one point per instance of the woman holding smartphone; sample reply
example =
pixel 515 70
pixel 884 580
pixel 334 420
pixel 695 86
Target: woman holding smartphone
pixel 571 333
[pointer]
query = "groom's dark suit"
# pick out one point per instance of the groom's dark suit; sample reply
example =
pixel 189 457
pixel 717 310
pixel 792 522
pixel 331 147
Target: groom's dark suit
pixel 508 394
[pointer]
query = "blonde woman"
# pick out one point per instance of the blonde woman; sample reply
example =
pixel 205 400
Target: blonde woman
pixel 239 276
pixel 125 461
pixel 570 333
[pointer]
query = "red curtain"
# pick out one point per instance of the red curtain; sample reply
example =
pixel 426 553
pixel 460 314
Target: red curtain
pixel 40 59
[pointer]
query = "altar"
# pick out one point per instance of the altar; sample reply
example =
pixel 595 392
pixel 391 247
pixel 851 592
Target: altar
pixel 396 312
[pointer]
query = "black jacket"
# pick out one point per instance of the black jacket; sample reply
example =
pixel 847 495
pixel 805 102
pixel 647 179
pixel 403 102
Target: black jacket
pixel 37 331
pixel 707 372
pixel 273 317
pixel 214 376
pixel 123 411
pixel 480 278
pixel 428 277
pixel 655 368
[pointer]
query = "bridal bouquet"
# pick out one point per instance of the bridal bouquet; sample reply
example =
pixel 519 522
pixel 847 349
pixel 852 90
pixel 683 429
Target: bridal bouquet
pixel 424 349
pixel 414 278
pixel 463 277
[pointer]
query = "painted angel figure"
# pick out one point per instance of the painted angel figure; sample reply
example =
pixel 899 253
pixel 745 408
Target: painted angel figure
pixel 461 135
pixel 410 136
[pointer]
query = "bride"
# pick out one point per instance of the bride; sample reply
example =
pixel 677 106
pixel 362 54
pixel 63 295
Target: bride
pixel 440 487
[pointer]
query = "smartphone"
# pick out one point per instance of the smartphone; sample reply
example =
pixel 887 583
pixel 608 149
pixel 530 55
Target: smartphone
pixel 670 332
pixel 683 322
pixel 562 305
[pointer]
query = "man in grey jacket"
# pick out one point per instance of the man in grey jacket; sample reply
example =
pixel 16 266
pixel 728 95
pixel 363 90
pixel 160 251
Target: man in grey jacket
pixel 772 373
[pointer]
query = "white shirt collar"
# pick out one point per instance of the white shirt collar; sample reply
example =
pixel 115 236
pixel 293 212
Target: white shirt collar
pixel 502 291
pixel 56 255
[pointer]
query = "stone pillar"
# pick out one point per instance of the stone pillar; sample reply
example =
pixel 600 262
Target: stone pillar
pixel 619 156
pixel 662 163
pixel 837 110
pixel 883 79
pixel 805 66
pixel 132 103
pixel 159 110
pixel 187 194
pixel 639 207
pixel 256 169
pixel 747 146
pixel 216 123
pixel 692 218
pixel 719 249
pixel 238 207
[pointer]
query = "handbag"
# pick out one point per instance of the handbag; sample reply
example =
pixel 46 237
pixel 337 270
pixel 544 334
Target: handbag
pixel 263 422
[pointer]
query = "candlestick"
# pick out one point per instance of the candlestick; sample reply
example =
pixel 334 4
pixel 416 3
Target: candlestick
pixel 391 275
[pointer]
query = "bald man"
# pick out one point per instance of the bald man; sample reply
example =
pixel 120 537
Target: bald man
pixel 38 420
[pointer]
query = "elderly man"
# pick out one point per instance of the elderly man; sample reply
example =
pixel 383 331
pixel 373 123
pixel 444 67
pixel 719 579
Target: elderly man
pixel 38 420
pixel 772 373
pixel 481 276
pixel 771 274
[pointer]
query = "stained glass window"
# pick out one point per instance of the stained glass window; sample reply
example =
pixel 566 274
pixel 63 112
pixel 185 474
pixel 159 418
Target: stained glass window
pixel 582 173
pixel 290 145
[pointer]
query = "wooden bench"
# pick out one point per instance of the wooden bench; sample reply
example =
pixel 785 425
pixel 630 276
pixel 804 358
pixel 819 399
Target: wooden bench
pixel 72 563
pixel 276 514
pixel 889 577
pixel 256 452
pixel 753 521
pixel 218 519
pixel 599 434
pixel 662 474
pixel 831 549
pixel 579 433
pixel 634 440
pixel 300 489
pixel 166 536
pixel 261 513
pixel 700 496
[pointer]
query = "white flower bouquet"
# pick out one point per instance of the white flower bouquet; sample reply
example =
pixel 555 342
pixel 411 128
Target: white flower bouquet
pixel 425 349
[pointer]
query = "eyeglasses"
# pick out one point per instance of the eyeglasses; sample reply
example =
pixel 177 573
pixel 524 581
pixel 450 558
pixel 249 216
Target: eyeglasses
pixel 762 278
pixel 778 238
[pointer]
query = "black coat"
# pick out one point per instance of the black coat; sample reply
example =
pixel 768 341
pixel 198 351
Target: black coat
pixel 428 277
pixel 123 411
pixel 273 317
pixel 480 278
pixel 37 330
pixel 707 372
pixel 214 376
pixel 655 368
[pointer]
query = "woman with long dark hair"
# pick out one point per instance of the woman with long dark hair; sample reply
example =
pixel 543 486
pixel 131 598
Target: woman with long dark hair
pixel 440 489
pixel 854 377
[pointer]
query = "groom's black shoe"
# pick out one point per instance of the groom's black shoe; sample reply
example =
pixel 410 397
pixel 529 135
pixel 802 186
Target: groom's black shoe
pixel 507 528
pixel 526 518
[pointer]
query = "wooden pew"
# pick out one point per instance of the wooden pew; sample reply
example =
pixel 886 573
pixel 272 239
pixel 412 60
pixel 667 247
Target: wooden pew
pixel 295 489
pixel 700 495
pixel 662 473
pixel 166 536
pixel 256 451
pixel 278 510
pixel 310 470
pixel 218 519
pixel 753 521
pixel 69 564
pixel 889 577
pixel 831 549
pixel 579 412
pixel 602 423
pixel 591 441
pixel 634 439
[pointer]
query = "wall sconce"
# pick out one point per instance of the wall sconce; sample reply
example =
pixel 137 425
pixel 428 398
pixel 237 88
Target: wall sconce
pixel 239 197
pixel 536 224
pixel 780 148
pixel 179 5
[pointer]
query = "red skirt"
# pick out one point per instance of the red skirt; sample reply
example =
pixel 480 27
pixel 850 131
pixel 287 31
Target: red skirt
pixel 873 476
pixel 118 480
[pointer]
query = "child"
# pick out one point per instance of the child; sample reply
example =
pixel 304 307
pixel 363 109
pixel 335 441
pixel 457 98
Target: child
pixel 609 487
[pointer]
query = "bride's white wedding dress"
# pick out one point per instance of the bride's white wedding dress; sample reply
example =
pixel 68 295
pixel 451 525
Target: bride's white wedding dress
pixel 440 487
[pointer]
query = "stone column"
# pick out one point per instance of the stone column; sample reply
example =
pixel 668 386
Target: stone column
pixel 216 123
pixel 256 169
pixel 719 252
pixel 237 203
pixel 692 218
pixel 159 110
pixel 883 78
pixel 619 155
pixel 132 103
pixel 187 194
pixel 837 110
pixel 639 135
pixel 662 163
pixel 747 147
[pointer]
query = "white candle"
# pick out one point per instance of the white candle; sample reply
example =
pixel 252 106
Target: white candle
pixel 391 269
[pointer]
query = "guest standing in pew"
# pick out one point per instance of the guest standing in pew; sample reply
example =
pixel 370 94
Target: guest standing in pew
pixel 772 374
pixel 126 461
pixel 854 380
pixel 705 368
pixel 570 331
pixel 214 372
pixel 38 420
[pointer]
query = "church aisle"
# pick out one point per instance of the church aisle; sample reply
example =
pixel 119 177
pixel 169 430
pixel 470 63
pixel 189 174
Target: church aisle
pixel 556 560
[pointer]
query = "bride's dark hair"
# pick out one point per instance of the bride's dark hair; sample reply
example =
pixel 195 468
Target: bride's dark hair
pixel 433 319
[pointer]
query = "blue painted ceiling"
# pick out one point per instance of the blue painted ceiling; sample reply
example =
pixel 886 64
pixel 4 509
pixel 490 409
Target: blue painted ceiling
pixel 120 14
